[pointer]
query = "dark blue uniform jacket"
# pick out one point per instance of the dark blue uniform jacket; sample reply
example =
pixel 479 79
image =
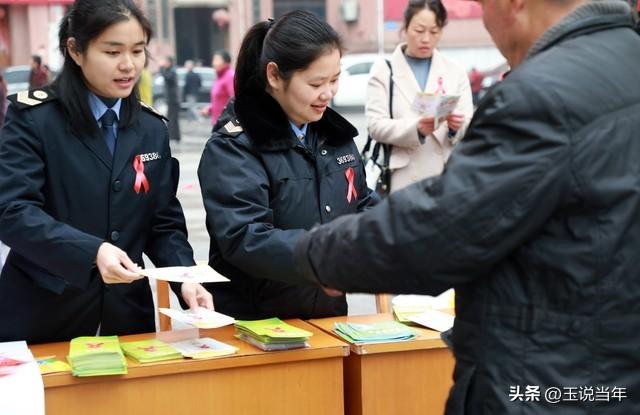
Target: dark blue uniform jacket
pixel 61 196
pixel 262 188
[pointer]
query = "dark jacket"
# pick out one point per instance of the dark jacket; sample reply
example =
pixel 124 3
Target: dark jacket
pixel 38 78
pixel 173 101
pixel 61 196
pixel 535 222
pixel 192 83
pixel 262 188
pixel 3 101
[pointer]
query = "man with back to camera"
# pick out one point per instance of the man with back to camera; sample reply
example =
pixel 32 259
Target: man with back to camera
pixel 535 221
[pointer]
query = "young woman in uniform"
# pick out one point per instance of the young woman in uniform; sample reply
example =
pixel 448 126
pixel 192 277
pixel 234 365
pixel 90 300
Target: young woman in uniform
pixel 87 185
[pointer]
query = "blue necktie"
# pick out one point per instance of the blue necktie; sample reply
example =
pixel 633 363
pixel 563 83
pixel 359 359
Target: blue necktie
pixel 107 120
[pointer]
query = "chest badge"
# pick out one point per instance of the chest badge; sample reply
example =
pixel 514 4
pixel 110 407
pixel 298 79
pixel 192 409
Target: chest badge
pixel 347 158
pixel 150 157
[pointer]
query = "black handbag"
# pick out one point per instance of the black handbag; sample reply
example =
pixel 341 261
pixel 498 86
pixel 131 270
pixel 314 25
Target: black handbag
pixel 376 161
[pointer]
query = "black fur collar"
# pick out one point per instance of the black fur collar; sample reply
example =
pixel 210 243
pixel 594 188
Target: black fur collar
pixel 267 125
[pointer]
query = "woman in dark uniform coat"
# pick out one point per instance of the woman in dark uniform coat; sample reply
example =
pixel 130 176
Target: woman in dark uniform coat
pixel 280 162
pixel 82 197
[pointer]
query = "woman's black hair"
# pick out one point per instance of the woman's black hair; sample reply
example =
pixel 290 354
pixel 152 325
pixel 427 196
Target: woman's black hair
pixel 85 21
pixel 293 42
pixel 416 6
pixel 223 54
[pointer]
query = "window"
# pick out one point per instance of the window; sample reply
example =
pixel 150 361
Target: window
pixel 316 7
pixel 256 11
pixel 152 14
pixel 165 20
pixel 360 68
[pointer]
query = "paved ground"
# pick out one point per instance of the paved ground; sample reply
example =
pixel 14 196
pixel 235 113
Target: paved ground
pixel 188 151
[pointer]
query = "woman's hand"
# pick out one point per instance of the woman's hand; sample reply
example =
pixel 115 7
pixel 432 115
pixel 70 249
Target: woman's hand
pixel 195 295
pixel 332 292
pixel 455 121
pixel 115 266
pixel 426 126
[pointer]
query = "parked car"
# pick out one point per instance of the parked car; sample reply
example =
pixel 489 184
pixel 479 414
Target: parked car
pixel 17 78
pixel 492 77
pixel 355 68
pixel 207 77
pixel 354 76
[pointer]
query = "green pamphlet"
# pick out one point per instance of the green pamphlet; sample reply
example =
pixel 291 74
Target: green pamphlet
pixel 150 351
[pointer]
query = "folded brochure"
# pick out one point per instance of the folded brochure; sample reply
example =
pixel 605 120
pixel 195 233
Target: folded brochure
pixel 434 319
pixel 51 364
pixel 195 273
pixel 202 318
pixel 203 348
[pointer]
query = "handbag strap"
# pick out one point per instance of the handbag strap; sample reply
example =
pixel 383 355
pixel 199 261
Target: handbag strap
pixel 378 145
pixel 367 146
pixel 386 147
pixel 390 88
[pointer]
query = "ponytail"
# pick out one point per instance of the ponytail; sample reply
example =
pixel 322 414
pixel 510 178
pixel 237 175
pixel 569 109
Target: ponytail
pixel 293 43
pixel 249 74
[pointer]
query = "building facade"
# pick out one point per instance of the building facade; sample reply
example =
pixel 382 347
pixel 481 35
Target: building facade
pixel 28 27
pixel 194 29
pixel 362 22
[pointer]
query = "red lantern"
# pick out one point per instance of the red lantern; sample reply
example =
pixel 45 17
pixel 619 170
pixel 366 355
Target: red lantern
pixel 221 17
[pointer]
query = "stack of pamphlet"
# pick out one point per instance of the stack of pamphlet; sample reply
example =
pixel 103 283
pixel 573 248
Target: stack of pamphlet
pixel 150 351
pixel 95 356
pixel 379 332
pixel 272 334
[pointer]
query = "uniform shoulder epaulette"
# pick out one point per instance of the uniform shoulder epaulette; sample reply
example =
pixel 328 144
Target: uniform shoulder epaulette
pixel 31 98
pixel 232 128
pixel 152 110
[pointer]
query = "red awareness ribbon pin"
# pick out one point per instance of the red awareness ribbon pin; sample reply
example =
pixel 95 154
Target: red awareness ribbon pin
pixel 351 190
pixel 141 179
pixel 440 89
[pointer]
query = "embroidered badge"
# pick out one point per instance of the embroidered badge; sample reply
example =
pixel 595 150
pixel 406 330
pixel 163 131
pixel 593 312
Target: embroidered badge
pixel 24 98
pixel 150 157
pixel 233 127
pixel 347 158
pixel 40 94
pixel 29 99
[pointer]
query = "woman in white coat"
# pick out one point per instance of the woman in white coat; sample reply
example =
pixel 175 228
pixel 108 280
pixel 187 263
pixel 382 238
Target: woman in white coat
pixel 419 150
